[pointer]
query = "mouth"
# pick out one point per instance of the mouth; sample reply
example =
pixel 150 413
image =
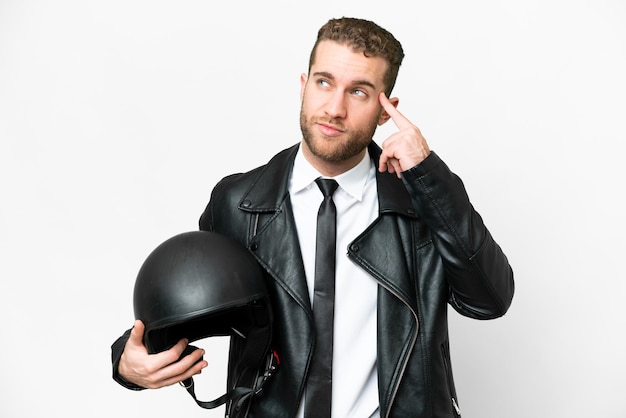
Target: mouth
pixel 328 129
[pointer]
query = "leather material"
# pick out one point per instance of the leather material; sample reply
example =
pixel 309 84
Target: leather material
pixel 427 249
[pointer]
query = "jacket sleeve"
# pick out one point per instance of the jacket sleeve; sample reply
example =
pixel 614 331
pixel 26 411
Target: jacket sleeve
pixel 477 270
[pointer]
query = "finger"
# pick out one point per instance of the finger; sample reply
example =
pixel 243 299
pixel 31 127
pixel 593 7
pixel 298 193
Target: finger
pixel 179 347
pixel 398 118
pixel 397 168
pixel 166 366
pixel 389 165
pixel 186 367
pixel 382 163
pixel 136 334
pixel 386 163
pixel 190 359
pixel 172 356
pixel 186 374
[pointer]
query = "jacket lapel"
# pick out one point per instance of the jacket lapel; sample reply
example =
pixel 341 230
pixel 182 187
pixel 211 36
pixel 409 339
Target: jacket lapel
pixel 385 246
pixel 275 237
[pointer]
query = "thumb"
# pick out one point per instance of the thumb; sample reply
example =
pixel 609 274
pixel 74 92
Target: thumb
pixel 136 334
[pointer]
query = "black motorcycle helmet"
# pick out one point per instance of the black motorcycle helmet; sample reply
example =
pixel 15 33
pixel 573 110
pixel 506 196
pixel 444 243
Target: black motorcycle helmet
pixel 201 284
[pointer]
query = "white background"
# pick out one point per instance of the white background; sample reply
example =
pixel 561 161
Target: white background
pixel 118 117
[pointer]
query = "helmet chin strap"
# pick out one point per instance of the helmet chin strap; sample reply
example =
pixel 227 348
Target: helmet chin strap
pixel 238 394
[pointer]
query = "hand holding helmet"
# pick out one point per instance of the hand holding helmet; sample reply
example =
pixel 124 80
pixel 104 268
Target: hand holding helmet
pixel 154 371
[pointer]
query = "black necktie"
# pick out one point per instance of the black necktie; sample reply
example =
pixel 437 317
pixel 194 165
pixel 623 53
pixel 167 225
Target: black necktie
pixel 319 384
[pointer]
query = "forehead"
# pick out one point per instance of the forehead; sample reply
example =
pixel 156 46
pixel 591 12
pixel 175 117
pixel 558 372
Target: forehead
pixel 347 65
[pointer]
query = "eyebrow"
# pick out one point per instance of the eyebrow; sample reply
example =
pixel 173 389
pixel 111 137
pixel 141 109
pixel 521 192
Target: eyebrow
pixel 354 83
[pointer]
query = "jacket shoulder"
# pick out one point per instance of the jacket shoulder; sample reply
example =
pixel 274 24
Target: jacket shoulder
pixel 231 190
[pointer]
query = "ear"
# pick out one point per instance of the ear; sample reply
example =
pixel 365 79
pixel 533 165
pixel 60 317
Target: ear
pixel 303 79
pixel 384 116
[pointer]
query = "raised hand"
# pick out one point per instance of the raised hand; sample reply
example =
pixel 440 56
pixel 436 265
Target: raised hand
pixel 405 148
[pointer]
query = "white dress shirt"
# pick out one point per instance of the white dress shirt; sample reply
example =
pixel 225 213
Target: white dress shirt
pixel 355 379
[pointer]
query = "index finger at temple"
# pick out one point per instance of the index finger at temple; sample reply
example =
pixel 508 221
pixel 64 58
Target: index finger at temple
pixel 398 118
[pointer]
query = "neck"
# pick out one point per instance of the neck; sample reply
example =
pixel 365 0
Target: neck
pixel 331 168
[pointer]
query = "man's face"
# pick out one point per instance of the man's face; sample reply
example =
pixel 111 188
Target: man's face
pixel 340 106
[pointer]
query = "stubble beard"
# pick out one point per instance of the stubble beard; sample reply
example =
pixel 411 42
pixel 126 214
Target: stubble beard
pixel 342 150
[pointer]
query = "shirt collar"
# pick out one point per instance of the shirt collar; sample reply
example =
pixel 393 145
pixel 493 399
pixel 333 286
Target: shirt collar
pixel 352 181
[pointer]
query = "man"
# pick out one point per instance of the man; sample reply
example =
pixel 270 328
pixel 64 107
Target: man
pixel 408 243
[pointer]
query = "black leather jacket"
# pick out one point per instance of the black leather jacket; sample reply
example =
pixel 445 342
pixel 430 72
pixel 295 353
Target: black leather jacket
pixel 428 248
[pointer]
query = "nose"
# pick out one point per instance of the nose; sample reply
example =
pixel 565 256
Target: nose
pixel 336 105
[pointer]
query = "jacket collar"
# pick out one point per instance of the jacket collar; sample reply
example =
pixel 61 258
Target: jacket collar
pixel 269 190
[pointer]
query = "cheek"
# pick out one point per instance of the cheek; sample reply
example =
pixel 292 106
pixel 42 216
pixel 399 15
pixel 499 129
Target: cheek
pixel 368 118
pixel 308 104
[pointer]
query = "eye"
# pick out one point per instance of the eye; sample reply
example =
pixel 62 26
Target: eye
pixel 323 83
pixel 362 94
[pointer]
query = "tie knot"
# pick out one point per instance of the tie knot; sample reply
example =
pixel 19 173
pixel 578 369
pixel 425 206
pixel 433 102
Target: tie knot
pixel 327 186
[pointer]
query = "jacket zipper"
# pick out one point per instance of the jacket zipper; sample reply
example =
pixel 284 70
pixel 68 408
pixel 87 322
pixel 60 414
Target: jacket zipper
pixel 456 407
pixel 406 360
pixel 445 356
